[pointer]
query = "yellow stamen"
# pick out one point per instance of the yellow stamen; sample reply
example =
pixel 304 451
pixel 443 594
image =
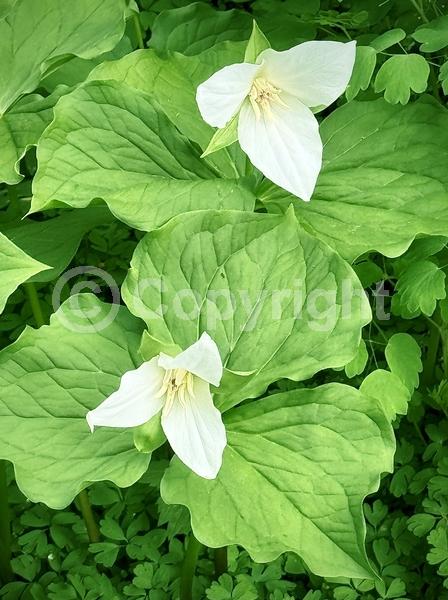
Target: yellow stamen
pixel 177 385
pixel 262 95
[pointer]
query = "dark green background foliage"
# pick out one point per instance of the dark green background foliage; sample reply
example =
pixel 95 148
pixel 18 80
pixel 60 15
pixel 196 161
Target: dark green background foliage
pixel 402 53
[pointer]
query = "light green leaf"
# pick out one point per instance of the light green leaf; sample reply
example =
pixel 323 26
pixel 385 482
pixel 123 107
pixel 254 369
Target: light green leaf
pixel 420 285
pixel 5 7
pixel 50 378
pixel 55 241
pixel 388 39
pixel 357 365
pixel 443 77
pixel 400 75
pixel 16 267
pixel 172 81
pixel 403 357
pixel 21 128
pixel 223 137
pixel 384 178
pixel 362 72
pixel 433 36
pixel 256 44
pixel 77 70
pixel 36 35
pixel 278 302
pixel 110 141
pixel 300 464
pixel 388 389
pixel 198 27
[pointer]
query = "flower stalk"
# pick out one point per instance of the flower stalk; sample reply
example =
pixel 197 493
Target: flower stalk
pixel 220 561
pixel 189 568
pixel 89 518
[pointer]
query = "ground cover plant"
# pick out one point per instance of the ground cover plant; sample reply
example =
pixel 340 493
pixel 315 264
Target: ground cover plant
pixel 224 324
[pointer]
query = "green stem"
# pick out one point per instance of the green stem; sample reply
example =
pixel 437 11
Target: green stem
pixel 89 518
pixel 419 8
pixel 34 301
pixel 220 561
pixel 138 32
pixel 5 529
pixel 429 364
pixel 188 568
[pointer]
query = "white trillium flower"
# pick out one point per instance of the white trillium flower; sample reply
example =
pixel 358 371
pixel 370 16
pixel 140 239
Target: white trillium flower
pixel 276 126
pixel 179 387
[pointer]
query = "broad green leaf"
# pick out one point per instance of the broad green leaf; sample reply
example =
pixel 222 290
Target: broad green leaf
pixel 433 36
pixel 16 267
pixel 388 39
pixel 384 178
pixel 77 70
pixel 5 7
pixel 420 285
pixel 295 472
pixel 256 44
pixel 278 302
pixel 400 75
pixel 54 242
pixel 362 72
pixel 403 357
pixel 50 378
pixel 36 35
pixel 110 141
pixel 21 128
pixel 198 27
pixel 389 390
pixel 172 81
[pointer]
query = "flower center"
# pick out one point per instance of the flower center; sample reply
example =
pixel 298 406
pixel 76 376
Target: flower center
pixel 262 95
pixel 177 383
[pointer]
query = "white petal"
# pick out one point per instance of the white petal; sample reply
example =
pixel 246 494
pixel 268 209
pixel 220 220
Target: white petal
pixel 196 432
pixel 285 147
pixel 201 358
pixel 134 402
pixel 317 73
pixel 220 97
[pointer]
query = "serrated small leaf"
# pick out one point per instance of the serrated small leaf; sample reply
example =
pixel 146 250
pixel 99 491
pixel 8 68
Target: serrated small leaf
pixel 362 71
pixel 421 524
pixel 357 365
pixel 388 389
pixel 443 77
pixel 420 285
pixel 400 75
pixel 403 357
pixel 433 36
